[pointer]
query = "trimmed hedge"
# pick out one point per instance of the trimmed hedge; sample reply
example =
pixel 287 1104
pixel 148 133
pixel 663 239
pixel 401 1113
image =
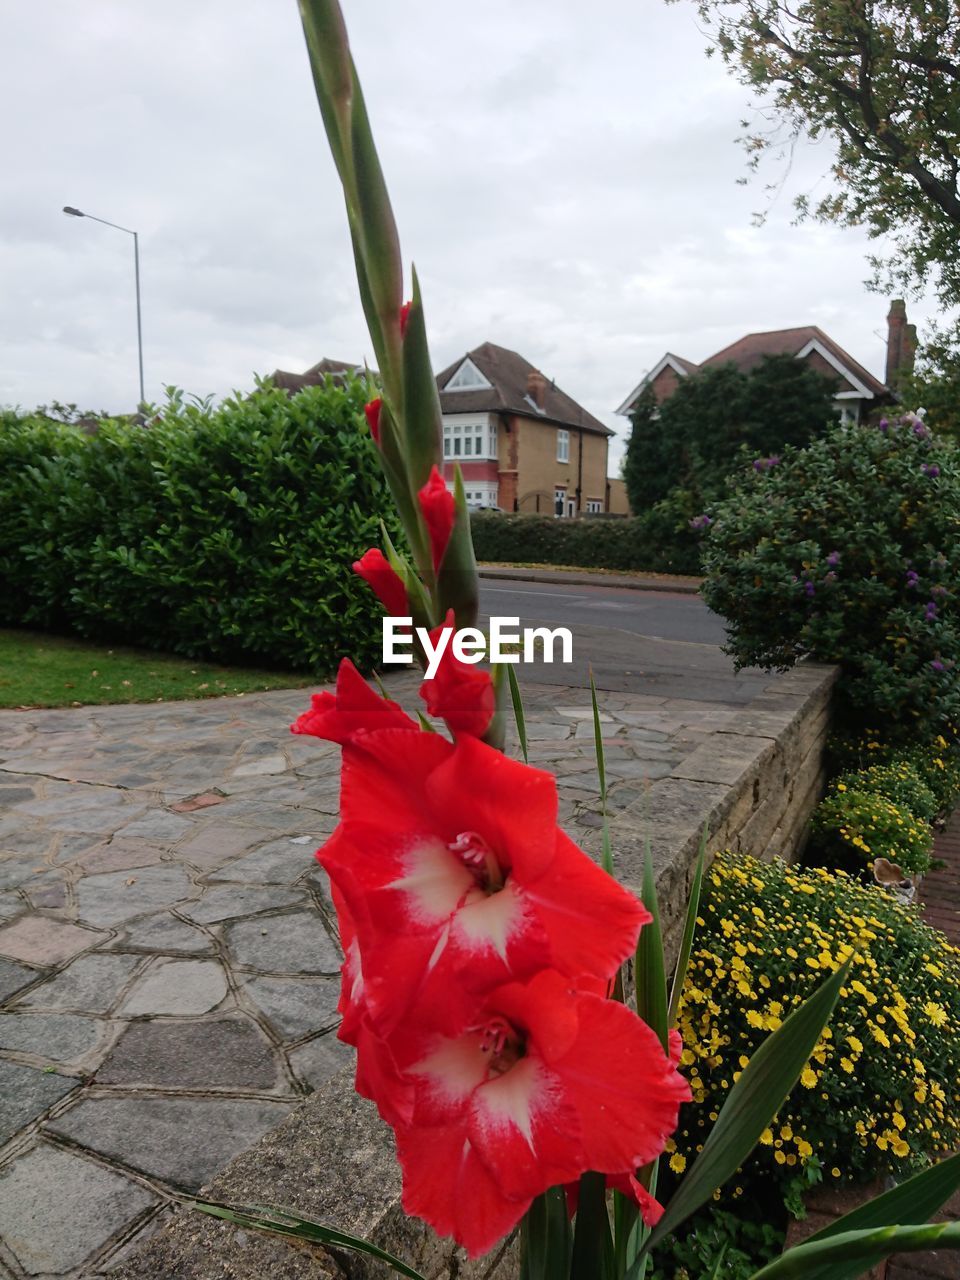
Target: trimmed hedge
pixel 654 542
pixel 225 532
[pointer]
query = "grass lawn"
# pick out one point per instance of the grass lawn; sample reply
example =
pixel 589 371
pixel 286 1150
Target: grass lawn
pixel 39 670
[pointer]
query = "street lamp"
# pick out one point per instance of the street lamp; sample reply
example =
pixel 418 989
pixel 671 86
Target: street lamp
pixel 77 213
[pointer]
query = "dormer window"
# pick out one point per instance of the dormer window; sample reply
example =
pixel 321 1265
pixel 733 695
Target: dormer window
pixel 468 378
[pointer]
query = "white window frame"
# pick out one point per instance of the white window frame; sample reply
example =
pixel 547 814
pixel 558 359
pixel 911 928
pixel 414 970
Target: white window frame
pixel 480 493
pixel 467 378
pixel 594 507
pixel 476 434
pixel 560 496
pixel 563 445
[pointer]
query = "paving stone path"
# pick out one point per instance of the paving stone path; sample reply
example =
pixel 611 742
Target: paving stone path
pixel 168 951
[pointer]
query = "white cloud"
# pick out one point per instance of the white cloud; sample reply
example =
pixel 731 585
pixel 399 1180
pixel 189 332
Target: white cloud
pixel 565 179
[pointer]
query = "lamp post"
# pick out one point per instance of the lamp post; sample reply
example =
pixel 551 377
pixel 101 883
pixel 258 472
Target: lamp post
pixel 77 213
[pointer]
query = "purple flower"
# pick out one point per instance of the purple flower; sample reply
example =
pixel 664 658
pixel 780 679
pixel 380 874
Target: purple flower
pixel 833 559
pixel 937 665
pixel 920 430
pixel 932 470
pixel 883 424
pixel 810 589
pixel 931 611
pixel 701 522
pixel 912 578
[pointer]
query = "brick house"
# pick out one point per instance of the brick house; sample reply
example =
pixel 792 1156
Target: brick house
pixel 856 389
pixel 522 443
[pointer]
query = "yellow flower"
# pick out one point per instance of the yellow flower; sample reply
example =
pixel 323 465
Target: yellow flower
pixel 804 1149
pixel 808 1078
pixel 936 1013
pixel 678 1162
pixel 766 1138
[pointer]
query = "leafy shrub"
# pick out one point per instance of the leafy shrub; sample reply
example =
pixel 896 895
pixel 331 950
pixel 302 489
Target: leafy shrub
pixel 898 781
pixel 934 758
pixel 659 541
pixel 716 1238
pixel 222 531
pixel 853 826
pixel 880 1094
pixel 848 551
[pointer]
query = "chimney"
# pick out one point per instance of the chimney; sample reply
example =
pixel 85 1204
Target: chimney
pixel 536 387
pixel 897 340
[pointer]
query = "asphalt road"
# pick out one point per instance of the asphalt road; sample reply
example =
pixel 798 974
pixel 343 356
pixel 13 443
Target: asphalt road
pixel 653 642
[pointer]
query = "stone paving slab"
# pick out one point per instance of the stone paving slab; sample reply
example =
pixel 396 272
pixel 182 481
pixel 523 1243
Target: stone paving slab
pixel 168 947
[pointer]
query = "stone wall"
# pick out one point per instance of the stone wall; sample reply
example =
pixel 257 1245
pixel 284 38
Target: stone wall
pixel 752 785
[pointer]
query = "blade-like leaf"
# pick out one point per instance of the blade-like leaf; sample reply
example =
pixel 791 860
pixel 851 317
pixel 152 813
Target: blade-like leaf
pixel 857 1251
pixel 546 1238
pixel 496 732
pixel 457 581
pixel 422 422
pixel 753 1101
pixel 689 929
pixel 650 975
pixel 912 1202
pixel 518 715
pixel 592 1245
pixel 606 852
pixel 291 1224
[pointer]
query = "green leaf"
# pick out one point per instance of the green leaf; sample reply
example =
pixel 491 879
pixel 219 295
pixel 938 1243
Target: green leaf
pixel 422 421
pixel 517 701
pixel 606 852
pixel 291 1224
pixel 753 1101
pixel 689 929
pixel 911 1203
pixel 855 1252
pixel 457 581
pixel 592 1245
pixel 546 1238
pixel 650 975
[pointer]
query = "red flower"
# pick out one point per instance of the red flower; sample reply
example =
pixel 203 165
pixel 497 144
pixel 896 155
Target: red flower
pixel 459 693
pixel 404 317
pixel 651 1210
pixel 523 1098
pixel 437 506
pixel 457 877
pixel 372 410
pixel 387 584
pixel 354 707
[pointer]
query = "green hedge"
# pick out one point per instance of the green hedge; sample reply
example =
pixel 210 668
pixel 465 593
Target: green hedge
pixel 656 542
pixel 225 531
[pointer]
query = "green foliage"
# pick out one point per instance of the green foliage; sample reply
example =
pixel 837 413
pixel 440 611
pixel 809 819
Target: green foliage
pixel 848 551
pixel 934 384
pixel 659 541
pixel 878 1095
pixel 717 1242
pixel 933 757
pixel 715 420
pixel 225 532
pixel 897 781
pixel 853 826
pixel 879 81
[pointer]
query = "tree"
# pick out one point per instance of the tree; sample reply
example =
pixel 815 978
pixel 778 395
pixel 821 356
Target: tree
pixel 718 417
pixel 881 78
pixel 934 384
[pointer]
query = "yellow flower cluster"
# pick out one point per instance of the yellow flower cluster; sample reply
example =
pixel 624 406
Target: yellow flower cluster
pixel 881 1092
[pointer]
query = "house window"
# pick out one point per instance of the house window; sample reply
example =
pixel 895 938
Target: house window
pixel 563 446
pixel 469 438
pixel 482 494
pixel 560 502
pixel 467 378
pixel 594 506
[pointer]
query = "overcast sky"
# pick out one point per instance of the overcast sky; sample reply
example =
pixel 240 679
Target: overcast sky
pixel 564 176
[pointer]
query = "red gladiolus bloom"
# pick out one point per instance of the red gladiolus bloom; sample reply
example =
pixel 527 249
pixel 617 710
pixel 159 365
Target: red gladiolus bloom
pixel 372 410
pixel 437 505
pixel 524 1098
pixel 386 583
pixel 404 317
pixel 459 693
pixel 353 708
pixel 457 877
pixel 651 1210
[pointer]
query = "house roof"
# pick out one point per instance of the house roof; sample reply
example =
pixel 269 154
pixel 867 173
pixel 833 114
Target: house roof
pixel 507 372
pixel 314 376
pixel 747 352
